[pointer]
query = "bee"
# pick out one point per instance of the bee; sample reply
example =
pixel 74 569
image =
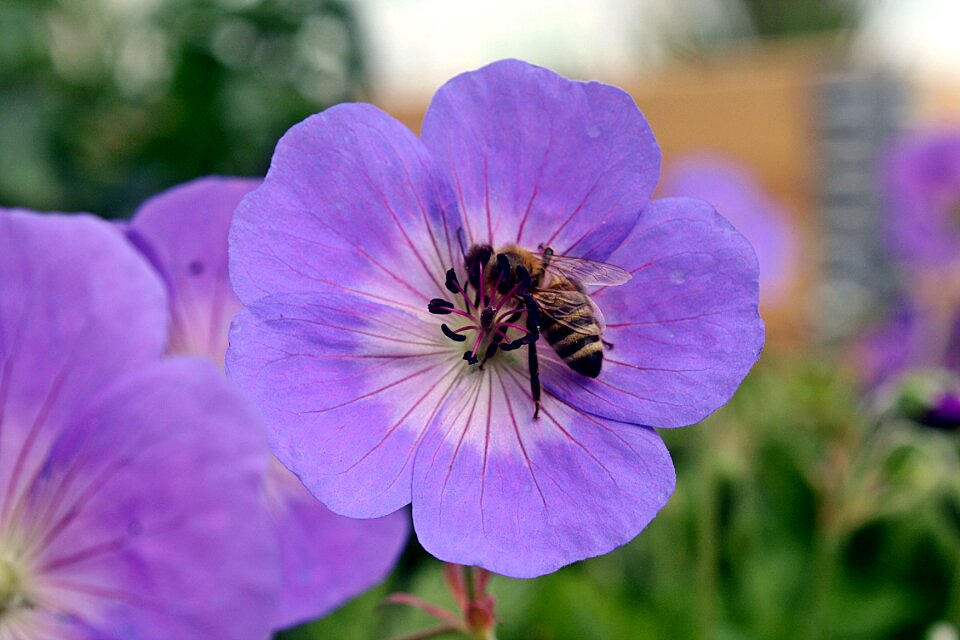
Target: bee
pixel 552 288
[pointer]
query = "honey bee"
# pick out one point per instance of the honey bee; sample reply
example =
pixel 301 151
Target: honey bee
pixel 552 288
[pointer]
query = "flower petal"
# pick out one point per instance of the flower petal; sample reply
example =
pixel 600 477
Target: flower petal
pixel 685 328
pixel 183 231
pixel 522 497
pixel 352 198
pixel 327 559
pixel 78 308
pixel 922 180
pixel 537 158
pixel 348 387
pixel 148 512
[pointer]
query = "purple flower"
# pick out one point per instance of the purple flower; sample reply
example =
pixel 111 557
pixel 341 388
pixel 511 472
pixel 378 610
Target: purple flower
pixel 326 558
pixel 128 486
pixel 914 336
pixel 736 194
pixel 943 413
pixel 922 179
pixel 354 235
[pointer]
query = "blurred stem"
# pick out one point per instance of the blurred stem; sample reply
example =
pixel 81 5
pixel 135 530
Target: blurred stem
pixel 707 540
pixel 953 611
pixel 825 567
pixel 470 583
pixel 476 579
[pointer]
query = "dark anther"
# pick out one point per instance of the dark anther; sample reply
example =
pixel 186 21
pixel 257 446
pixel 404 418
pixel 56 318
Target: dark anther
pixel 470 358
pixel 439 306
pixel 515 344
pixel 486 317
pixel 491 350
pixel 452 284
pixel 523 277
pixel 456 337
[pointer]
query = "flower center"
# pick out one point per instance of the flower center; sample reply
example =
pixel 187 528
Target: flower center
pixel 12 597
pixel 493 311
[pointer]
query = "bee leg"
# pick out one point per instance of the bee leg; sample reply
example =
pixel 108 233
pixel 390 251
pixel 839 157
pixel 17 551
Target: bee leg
pixel 533 363
pixel 608 345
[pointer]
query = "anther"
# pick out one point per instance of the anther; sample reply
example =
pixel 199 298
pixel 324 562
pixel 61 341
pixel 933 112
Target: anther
pixel 447 331
pixel 515 344
pixel 440 306
pixel 486 317
pixel 452 283
pixel 470 357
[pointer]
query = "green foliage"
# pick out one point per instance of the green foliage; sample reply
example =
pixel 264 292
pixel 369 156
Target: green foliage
pixel 106 103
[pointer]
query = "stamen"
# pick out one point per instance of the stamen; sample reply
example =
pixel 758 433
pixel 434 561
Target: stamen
pixel 452 283
pixel 514 326
pixel 453 335
pixel 486 317
pixel 440 307
pixel 516 344
pixel 493 312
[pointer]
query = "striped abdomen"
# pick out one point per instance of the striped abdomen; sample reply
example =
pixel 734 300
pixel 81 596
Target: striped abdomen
pixel 568 323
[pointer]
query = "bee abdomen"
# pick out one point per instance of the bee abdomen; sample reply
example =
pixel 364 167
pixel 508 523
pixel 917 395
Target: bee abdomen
pixel 582 352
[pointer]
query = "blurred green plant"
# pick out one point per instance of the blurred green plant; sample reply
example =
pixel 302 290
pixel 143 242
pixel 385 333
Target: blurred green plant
pixel 106 102
pixel 773 18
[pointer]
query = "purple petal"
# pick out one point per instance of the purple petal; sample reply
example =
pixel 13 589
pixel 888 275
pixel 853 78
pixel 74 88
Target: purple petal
pixel 922 179
pixel 523 497
pixel 184 233
pixel 148 513
pixel 883 352
pixel 685 328
pixel 348 386
pixel 735 193
pixel 327 559
pixel 354 199
pixel 537 158
pixel 78 308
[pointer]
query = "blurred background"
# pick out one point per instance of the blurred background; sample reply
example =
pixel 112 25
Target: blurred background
pixel 824 500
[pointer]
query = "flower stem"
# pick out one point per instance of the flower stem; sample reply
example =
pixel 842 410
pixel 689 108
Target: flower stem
pixel 707 550
pixel 825 558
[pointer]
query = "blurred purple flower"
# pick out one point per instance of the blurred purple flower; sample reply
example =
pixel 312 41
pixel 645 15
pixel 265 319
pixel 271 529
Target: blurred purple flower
pixel 943 413
pixel 910 338
pixel 735 193
pixel 128 486
pixel 340 251
pixel 922 180
pixel 326 558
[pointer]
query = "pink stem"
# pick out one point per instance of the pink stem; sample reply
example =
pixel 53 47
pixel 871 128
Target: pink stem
pixel 413 601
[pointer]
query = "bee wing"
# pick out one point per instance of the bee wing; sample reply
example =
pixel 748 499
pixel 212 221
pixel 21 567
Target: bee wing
pixel 588 272
pixel 572 309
